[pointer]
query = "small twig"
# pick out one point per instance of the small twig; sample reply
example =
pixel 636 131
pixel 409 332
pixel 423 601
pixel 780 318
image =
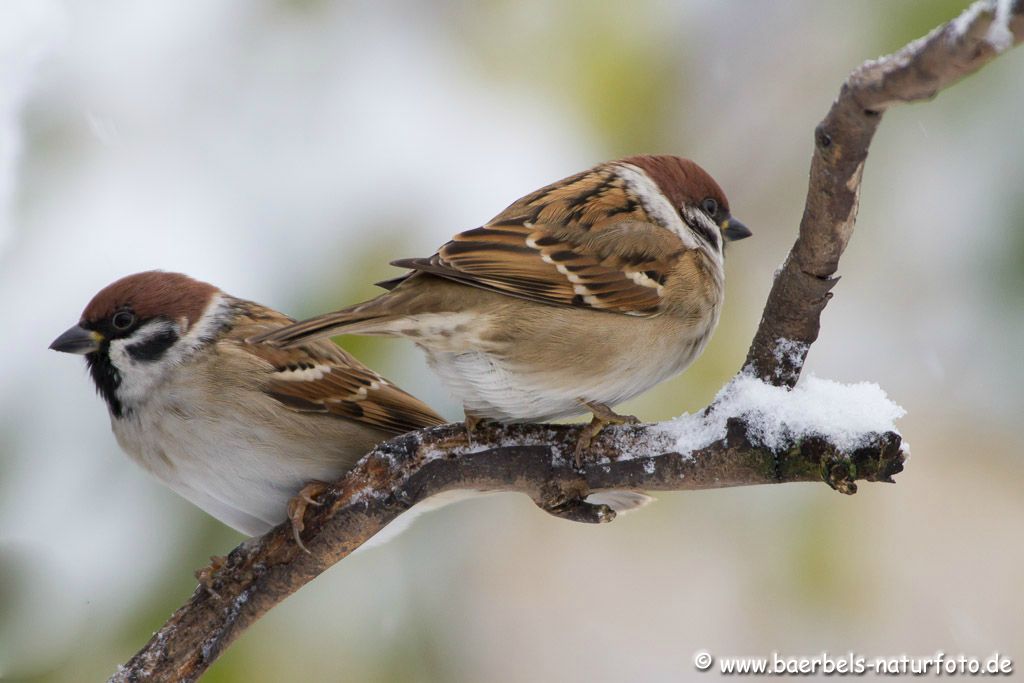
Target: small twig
pixel 792 315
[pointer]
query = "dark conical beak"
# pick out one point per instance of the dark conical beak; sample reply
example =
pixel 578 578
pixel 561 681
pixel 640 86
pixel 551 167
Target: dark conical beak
pixel 734 230
pixel 77 340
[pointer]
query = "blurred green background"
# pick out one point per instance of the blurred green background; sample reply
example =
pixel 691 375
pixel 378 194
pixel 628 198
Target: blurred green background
pixel 286 151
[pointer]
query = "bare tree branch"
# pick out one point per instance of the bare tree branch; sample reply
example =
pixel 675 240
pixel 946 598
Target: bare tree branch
pixel 917 72
pixel 536 459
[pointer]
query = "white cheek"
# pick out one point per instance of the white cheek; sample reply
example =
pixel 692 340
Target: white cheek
pixel 655 203
pixel 139 378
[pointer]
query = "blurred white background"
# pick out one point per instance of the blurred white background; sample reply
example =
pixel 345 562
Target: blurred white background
pixel 287 150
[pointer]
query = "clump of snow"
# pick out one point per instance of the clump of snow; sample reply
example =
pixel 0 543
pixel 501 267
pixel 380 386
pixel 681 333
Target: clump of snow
pixel 789 354
pixel 693 431
pixel 999 35
pixel 963 23
pixel 845 414
pixel 905 449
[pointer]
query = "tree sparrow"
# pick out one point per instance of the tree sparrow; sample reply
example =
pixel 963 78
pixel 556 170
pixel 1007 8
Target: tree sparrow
pixel 576 297
pixel 234 427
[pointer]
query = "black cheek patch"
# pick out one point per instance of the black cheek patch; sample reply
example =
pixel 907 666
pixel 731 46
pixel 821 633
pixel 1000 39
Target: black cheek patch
pixel 701 229
pixel 153 348
pixel 704 231
pixel 712 236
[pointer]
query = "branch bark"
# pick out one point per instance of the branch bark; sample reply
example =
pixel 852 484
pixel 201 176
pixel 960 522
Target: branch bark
pixel 537 459
pixel 917 72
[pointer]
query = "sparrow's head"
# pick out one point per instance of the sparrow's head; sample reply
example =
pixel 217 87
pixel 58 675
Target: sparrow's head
pixel 139 327
pixel 691 195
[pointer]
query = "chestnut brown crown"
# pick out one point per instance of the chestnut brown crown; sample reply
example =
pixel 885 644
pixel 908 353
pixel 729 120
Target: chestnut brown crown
pixel 681 180
pixel 150 294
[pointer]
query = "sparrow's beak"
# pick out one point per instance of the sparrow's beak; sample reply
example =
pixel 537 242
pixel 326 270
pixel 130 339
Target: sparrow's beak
pixel 77 340
pixel 734 230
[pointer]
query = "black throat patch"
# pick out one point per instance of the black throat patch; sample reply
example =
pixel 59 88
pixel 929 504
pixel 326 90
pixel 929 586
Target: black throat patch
pixel 106 378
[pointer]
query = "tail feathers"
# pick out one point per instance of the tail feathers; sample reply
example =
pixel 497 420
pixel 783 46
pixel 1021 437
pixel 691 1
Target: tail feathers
pixel 350 321
pixel 620 501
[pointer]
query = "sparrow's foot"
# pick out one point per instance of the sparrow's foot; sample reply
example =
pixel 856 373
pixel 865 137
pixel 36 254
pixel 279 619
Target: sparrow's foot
pixel 297 508
pixel 208 574
pixel 603 416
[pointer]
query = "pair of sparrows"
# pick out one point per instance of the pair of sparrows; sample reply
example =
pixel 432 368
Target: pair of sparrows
pixel 576 297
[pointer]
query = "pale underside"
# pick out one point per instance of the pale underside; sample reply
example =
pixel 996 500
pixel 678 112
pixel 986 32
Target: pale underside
pixel 539 367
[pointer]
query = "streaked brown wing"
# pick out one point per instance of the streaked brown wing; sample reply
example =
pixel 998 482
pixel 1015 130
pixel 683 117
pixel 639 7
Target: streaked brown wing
pixel 321 377
pixel 584 242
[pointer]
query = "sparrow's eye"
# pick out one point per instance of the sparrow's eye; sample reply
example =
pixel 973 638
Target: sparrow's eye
pixel 710 206
pixel 122 320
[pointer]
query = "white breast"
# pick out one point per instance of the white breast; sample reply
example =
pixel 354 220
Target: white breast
pixel 236 469
pixel 490 386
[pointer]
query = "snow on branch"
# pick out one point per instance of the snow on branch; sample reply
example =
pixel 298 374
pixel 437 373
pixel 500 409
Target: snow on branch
pixel 759 430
